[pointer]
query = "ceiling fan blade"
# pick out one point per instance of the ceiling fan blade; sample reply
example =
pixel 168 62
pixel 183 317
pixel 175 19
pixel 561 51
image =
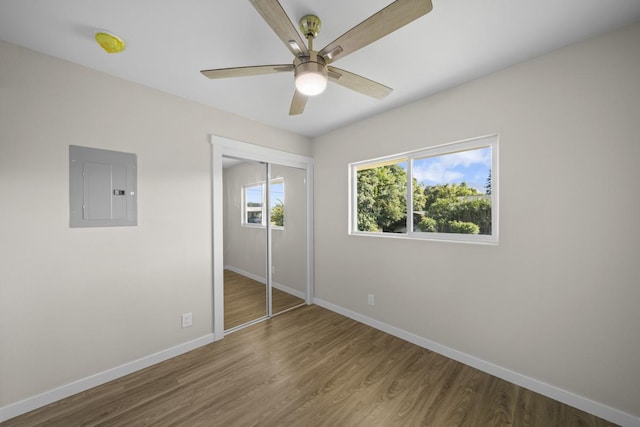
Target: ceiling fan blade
pixel 298 103
pixel 396 15
pixel 358 83
pixel 223 73
pixel 273 13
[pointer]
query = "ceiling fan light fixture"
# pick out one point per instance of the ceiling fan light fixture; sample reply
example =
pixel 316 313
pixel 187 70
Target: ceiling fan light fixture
pixel 311 78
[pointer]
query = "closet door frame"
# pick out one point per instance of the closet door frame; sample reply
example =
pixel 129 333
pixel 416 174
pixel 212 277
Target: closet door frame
pixel 222 146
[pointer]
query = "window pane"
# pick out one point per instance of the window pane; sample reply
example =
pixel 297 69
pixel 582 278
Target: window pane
pixel 452 193
pixel 277 202
pixel 253 204
pixel 382 198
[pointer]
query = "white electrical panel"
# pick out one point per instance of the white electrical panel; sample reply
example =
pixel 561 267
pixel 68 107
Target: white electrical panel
pixel 102 187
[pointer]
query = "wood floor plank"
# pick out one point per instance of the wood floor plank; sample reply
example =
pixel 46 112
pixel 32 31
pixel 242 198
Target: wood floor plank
pixel 533 409
pixel 497 403
pixel 308 367
pixel 245 300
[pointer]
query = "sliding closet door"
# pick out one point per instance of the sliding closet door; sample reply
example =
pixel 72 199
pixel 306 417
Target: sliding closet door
pixel 288 209
pixel 245 241
pixel 262 232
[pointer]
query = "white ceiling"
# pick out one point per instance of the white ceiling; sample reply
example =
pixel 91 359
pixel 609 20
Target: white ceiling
pixel 170 41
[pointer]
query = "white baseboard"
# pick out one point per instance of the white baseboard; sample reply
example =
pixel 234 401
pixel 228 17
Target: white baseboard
pixel 246 274
pixel 580 402
pixel 262 280
pixel 40 400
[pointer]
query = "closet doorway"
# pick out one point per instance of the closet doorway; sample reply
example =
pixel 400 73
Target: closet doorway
pixel 262 231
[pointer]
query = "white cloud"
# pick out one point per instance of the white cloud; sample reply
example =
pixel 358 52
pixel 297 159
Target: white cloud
pixel 447 168
pixel 467 158
pixel 452 176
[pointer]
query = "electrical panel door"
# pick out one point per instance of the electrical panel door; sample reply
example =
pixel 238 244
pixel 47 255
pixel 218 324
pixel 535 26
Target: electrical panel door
pixel 102 187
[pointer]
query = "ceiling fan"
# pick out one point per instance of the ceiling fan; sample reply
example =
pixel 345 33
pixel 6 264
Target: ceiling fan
pixel 310 67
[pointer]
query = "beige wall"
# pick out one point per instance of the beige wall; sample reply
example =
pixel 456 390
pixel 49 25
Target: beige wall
pixel 75 302
pixel 557 299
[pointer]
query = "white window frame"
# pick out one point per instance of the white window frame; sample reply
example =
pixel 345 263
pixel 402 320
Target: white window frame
pixel 263 223
pixel 408 157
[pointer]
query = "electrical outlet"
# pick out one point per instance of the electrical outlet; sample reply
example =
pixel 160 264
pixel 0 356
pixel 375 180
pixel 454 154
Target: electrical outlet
pixel 187 320
pixel 372 299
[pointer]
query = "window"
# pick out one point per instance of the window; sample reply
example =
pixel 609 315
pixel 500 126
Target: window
pixel 254 202
pixel 448 192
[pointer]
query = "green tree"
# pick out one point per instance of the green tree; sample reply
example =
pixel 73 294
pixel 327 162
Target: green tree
pixel 463 227
pixel 487 185
pixel 448 204
pixel 382 204
pixel 427 225
pixel 419 198
pixel 477 211
pixel 447 192
pixel 277 213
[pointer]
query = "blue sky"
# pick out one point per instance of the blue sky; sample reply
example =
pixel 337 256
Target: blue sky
pixel 277 192
pixel 254 193
pixel 471 166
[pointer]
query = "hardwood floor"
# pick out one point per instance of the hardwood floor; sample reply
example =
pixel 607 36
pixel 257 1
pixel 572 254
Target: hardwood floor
pixel 245 300
pixel 308 367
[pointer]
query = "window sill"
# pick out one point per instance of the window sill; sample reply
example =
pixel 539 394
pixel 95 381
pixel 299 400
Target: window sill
pixel 433 237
